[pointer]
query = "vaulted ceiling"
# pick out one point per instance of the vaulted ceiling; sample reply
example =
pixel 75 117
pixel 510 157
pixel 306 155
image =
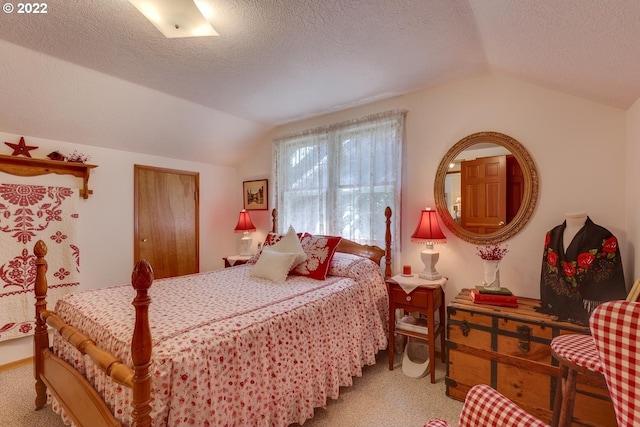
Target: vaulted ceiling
pixel 96 72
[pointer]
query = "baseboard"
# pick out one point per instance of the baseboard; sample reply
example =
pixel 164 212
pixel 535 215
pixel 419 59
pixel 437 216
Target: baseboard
pixel 16 364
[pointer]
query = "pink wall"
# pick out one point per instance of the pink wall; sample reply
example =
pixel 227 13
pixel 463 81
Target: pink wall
pixel 632 193
pixel 106 218
pixel 585 154
pixel 578 146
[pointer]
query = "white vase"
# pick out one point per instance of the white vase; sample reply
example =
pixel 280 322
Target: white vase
pixel 491 274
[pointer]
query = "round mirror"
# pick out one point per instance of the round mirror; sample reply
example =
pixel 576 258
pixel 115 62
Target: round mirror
pixel 486 188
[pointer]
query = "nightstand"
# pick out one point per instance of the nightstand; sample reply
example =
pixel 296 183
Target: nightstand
pixel 230 261
pixel 415 295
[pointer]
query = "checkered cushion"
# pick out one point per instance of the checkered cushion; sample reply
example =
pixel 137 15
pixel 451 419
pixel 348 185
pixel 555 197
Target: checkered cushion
pixel 436 423
pixel 615 327
pixel 579 349
pixel 485 407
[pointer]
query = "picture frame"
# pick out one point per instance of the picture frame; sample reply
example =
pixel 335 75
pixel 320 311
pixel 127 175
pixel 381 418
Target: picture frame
pixel 256 195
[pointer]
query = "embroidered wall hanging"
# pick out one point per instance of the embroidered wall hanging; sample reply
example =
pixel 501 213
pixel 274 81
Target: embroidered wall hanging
pixel 29 213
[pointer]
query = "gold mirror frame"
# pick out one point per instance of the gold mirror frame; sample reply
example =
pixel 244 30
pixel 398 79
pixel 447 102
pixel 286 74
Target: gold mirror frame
pixel 529 197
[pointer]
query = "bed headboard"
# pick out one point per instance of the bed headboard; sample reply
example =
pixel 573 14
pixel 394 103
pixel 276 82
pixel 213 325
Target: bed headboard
pixel 348 246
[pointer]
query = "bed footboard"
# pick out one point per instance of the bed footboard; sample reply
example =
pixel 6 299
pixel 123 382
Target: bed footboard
pixel 74 393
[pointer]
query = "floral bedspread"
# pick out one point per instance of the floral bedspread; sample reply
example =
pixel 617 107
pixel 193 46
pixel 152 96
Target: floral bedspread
pixel 229 349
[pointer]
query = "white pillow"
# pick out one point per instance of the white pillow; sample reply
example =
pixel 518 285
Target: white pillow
pixel 290 243
pixel 273 265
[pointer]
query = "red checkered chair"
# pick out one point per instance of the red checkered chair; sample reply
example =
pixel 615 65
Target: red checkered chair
pixel 577 353
pixel 615 333
pixel 485 407
pixel 615 327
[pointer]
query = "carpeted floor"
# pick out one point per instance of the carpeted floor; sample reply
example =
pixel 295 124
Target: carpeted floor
pixel 380 398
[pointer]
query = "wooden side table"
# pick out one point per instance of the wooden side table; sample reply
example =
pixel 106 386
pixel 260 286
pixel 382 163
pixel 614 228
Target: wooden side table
pixel 230 261
pixel 426 298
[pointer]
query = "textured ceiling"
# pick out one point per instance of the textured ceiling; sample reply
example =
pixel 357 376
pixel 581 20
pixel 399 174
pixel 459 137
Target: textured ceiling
pixel 276 61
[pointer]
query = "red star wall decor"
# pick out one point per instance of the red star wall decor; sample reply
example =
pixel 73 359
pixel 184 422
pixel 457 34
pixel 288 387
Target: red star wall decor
pixel 21 148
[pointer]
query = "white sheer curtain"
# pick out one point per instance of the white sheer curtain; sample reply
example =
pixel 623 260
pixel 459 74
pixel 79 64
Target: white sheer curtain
pixel 338 179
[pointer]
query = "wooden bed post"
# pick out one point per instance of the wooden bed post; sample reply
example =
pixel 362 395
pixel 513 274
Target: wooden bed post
pixel 141 280
pixel 41 336
pixel 387 241
pixel 274 220
pixel 75 394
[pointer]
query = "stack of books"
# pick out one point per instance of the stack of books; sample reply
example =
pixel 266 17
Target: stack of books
pixel 502 297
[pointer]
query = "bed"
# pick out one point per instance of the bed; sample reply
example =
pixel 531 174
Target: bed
pixel 214 348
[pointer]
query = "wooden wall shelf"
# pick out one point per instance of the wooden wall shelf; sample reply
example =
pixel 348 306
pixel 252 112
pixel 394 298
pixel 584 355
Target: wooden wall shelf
pixel 27 166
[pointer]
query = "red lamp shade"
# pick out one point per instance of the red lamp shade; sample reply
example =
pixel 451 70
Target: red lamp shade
pixel 244 223
pixel 428 229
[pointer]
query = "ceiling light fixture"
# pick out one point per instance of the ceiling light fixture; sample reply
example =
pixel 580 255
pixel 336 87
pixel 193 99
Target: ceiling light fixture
pixel 178 18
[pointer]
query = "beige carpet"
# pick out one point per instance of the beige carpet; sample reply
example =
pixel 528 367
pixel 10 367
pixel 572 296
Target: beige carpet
pixel 380 398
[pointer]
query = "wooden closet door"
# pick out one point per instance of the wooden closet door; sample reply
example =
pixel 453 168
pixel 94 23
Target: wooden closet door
pixel 515 187
pixel 166 220
pixel 484 190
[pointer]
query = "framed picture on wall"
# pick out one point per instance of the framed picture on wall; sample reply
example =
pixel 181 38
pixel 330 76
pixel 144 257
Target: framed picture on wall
pixel 256 196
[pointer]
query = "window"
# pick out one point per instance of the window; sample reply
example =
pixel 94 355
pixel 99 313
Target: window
pixel 337 180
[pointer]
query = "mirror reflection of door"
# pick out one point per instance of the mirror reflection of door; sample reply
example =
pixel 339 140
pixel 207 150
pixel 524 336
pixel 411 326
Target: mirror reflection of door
pixel 484 194
pixel 166 220
pixel 485 202
pixel 515 187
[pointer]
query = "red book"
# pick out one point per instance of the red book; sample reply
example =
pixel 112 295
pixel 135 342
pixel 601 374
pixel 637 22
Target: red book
pixel 493 299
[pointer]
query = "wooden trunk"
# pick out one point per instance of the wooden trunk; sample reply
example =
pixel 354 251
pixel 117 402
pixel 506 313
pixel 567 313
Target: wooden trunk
pixel 508 349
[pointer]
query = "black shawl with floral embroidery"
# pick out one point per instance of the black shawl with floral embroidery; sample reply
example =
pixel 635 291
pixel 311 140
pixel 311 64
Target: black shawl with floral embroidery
pixel 574 283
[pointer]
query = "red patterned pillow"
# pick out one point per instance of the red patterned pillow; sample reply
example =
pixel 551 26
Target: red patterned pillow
pixel 319 250
pixel 272 239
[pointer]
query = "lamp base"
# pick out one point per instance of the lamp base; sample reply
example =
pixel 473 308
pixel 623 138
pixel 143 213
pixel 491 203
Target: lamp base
pixel 245 244
pixel 430 259
pixel 430 276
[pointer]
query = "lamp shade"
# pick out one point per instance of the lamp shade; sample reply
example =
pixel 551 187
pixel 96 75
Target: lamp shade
pixel 428 229
pixel 244 223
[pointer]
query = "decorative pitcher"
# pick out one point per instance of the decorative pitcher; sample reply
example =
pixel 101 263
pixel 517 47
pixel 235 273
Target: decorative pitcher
pixel 491 274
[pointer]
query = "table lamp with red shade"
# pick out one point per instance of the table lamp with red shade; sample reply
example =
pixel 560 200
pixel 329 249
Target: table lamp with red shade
pixel 429 232
pixel 245 226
